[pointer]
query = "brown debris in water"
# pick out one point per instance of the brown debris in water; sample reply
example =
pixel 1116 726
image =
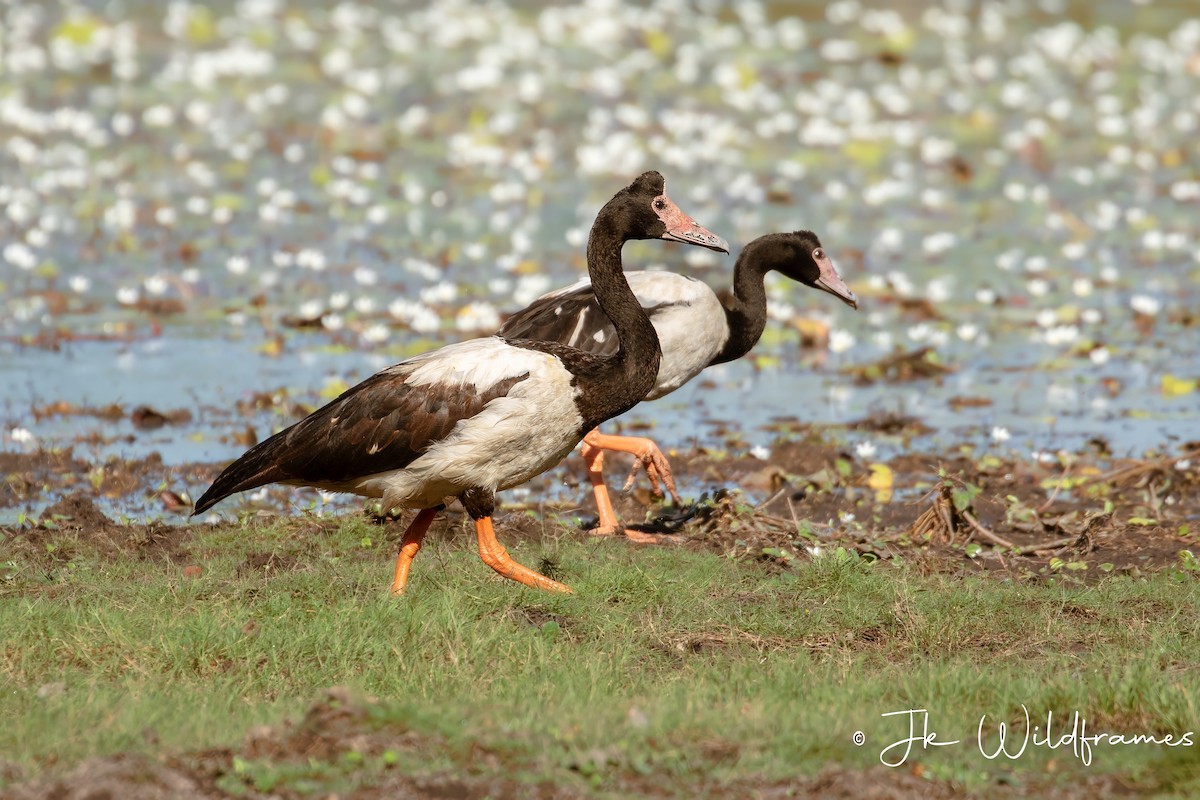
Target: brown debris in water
pixel 145 418
pixel 910 366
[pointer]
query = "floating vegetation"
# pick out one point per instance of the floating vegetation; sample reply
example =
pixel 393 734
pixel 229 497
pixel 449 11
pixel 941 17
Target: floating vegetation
pixel 913 365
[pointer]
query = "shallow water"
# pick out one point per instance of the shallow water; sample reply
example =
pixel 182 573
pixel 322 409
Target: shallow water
pixel 178 183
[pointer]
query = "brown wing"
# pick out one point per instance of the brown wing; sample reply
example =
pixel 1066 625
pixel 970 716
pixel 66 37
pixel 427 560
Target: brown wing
pixel 379 425
pixel 572 317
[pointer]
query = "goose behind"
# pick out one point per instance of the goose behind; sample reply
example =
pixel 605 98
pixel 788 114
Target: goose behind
pixel 480 416
pixel 696 328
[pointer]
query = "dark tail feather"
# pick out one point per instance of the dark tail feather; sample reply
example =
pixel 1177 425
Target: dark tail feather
pixel 258 466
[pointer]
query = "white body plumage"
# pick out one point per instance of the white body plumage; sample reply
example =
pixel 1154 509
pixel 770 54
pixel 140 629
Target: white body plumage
pixel 514 438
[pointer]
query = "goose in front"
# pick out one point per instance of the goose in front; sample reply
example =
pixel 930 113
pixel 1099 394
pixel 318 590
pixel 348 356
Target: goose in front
pixel 474 418
pixel 696 329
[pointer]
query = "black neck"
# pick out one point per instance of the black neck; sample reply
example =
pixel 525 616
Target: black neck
pixel 613 385
pixel 746 309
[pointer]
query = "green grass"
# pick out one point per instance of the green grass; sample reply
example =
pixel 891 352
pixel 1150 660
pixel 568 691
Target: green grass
pixel 675 666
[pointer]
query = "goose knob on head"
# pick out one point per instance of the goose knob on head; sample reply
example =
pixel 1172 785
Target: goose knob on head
pixel 696 329
pixel 473 418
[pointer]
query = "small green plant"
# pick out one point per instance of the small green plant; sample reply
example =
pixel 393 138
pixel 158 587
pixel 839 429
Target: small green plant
pixel 963 495
pixel 1188 560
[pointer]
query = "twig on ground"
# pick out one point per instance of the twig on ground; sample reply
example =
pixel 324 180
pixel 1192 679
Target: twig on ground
pixel 984 532
pixel 1055 544
pixel 1134 470
pixel 1057 488
pixel 792 510
pixel 775 497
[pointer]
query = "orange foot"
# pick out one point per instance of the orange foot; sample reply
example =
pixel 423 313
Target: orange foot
pixel 496 557
pixel 648 454
pixel 641 537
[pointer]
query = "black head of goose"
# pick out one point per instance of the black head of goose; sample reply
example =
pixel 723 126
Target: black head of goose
pixel 696 328
pixel 473 418
pixel 797 255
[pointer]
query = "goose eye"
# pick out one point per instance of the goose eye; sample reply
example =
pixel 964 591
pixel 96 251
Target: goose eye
pixel 818 254
pixel 660 204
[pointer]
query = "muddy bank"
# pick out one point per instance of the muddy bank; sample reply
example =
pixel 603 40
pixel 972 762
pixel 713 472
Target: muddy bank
pixel 1084 515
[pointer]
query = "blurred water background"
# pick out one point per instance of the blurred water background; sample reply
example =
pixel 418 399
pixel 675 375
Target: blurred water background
pixel 229 209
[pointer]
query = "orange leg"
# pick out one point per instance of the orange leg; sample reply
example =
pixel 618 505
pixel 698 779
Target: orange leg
pixel 409 547
pixel 594 458
pixel 496 557
pixel 648 454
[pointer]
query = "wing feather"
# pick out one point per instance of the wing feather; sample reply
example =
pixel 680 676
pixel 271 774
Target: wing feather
pixel 573 316
pixel 384 423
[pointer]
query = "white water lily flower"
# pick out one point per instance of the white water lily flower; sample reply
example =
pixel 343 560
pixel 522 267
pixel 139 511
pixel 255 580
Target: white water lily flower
pixel 20 255
pixel 425 320
pixel 840 341
pixel 1145 304
pixel 22 436
pixel 938 290
pixel 901 284
pixel 310 309
pixel 376 333
pixel 937 243
pixel 1060 334
pixel 311 259
pixel 441 292
pixel 477 316
pixel 122 124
